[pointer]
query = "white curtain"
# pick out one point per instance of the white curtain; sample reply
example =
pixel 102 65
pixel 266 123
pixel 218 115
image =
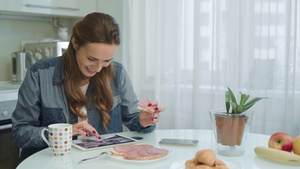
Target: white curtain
pixel 184 53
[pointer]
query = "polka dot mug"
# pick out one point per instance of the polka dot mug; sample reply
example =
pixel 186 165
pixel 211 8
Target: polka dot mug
pixel 59 138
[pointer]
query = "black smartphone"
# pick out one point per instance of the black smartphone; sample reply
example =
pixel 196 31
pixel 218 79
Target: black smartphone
pixel 185 142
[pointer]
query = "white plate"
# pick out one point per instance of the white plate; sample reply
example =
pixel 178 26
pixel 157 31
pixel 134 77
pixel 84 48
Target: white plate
pixel 181 165
pixel 121 158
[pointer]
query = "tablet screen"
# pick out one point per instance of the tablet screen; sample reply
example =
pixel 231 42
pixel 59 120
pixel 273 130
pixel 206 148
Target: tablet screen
pixel 90 143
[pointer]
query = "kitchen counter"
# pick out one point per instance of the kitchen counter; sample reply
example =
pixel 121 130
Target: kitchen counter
pixel 8 91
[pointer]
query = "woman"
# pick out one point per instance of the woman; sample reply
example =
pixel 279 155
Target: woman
pixel 84 87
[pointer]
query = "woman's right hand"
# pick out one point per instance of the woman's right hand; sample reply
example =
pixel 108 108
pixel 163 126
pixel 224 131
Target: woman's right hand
pixel 85 129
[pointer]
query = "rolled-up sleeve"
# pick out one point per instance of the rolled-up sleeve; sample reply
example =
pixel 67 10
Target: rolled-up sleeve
pixel 26 126
pixel 129 104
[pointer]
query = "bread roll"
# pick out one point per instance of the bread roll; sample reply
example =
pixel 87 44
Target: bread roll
pixel 205 159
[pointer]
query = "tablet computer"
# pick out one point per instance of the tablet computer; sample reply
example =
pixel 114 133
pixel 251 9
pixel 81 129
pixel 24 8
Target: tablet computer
pixel 185 142
pixel 92 143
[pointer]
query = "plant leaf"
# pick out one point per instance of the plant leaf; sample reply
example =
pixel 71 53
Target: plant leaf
pixel 239 109
pixel 244 99
pixel 227 101
pixel 232 98
pixel 252 102
pixel 234 105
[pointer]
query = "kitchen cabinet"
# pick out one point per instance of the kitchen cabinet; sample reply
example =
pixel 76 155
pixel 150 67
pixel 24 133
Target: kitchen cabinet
pixel 63 8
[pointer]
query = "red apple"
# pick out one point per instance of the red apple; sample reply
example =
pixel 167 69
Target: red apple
pixel 281 141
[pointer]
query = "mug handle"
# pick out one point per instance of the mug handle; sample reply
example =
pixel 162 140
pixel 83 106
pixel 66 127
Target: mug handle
pixel 43 136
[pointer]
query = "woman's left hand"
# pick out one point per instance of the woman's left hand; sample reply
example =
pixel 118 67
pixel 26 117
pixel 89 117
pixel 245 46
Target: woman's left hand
pixel 149 119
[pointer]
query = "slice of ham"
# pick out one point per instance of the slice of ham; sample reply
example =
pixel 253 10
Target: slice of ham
pixel 156 151
pixel 139 152
pixel 121 150
pixel 143 153
pixel 143 105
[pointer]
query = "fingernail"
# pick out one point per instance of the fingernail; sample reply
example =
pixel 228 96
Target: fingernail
pixel 153 114
pixel 94 131
pixel 156 108
pixel 86 135
pixel 99 137
pixel 149 104
pixel 151 119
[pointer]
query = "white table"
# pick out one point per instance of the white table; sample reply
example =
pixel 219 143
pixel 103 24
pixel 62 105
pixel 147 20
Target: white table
pixel 179 154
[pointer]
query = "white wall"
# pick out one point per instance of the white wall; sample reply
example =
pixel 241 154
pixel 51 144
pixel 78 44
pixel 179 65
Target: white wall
pixel 115 9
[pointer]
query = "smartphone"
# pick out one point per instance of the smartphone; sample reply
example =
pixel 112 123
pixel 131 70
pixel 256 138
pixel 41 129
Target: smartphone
pixel 185 142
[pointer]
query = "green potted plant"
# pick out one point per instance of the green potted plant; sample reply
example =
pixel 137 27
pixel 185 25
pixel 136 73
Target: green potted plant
pixel 232 125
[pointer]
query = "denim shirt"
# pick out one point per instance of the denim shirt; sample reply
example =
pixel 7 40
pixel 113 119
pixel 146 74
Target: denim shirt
pixel 42 101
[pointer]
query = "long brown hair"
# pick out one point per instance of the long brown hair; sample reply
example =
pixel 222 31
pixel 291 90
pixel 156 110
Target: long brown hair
pixel 93 28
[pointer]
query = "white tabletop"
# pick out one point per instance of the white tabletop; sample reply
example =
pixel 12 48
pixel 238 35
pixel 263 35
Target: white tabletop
pixel 179 154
